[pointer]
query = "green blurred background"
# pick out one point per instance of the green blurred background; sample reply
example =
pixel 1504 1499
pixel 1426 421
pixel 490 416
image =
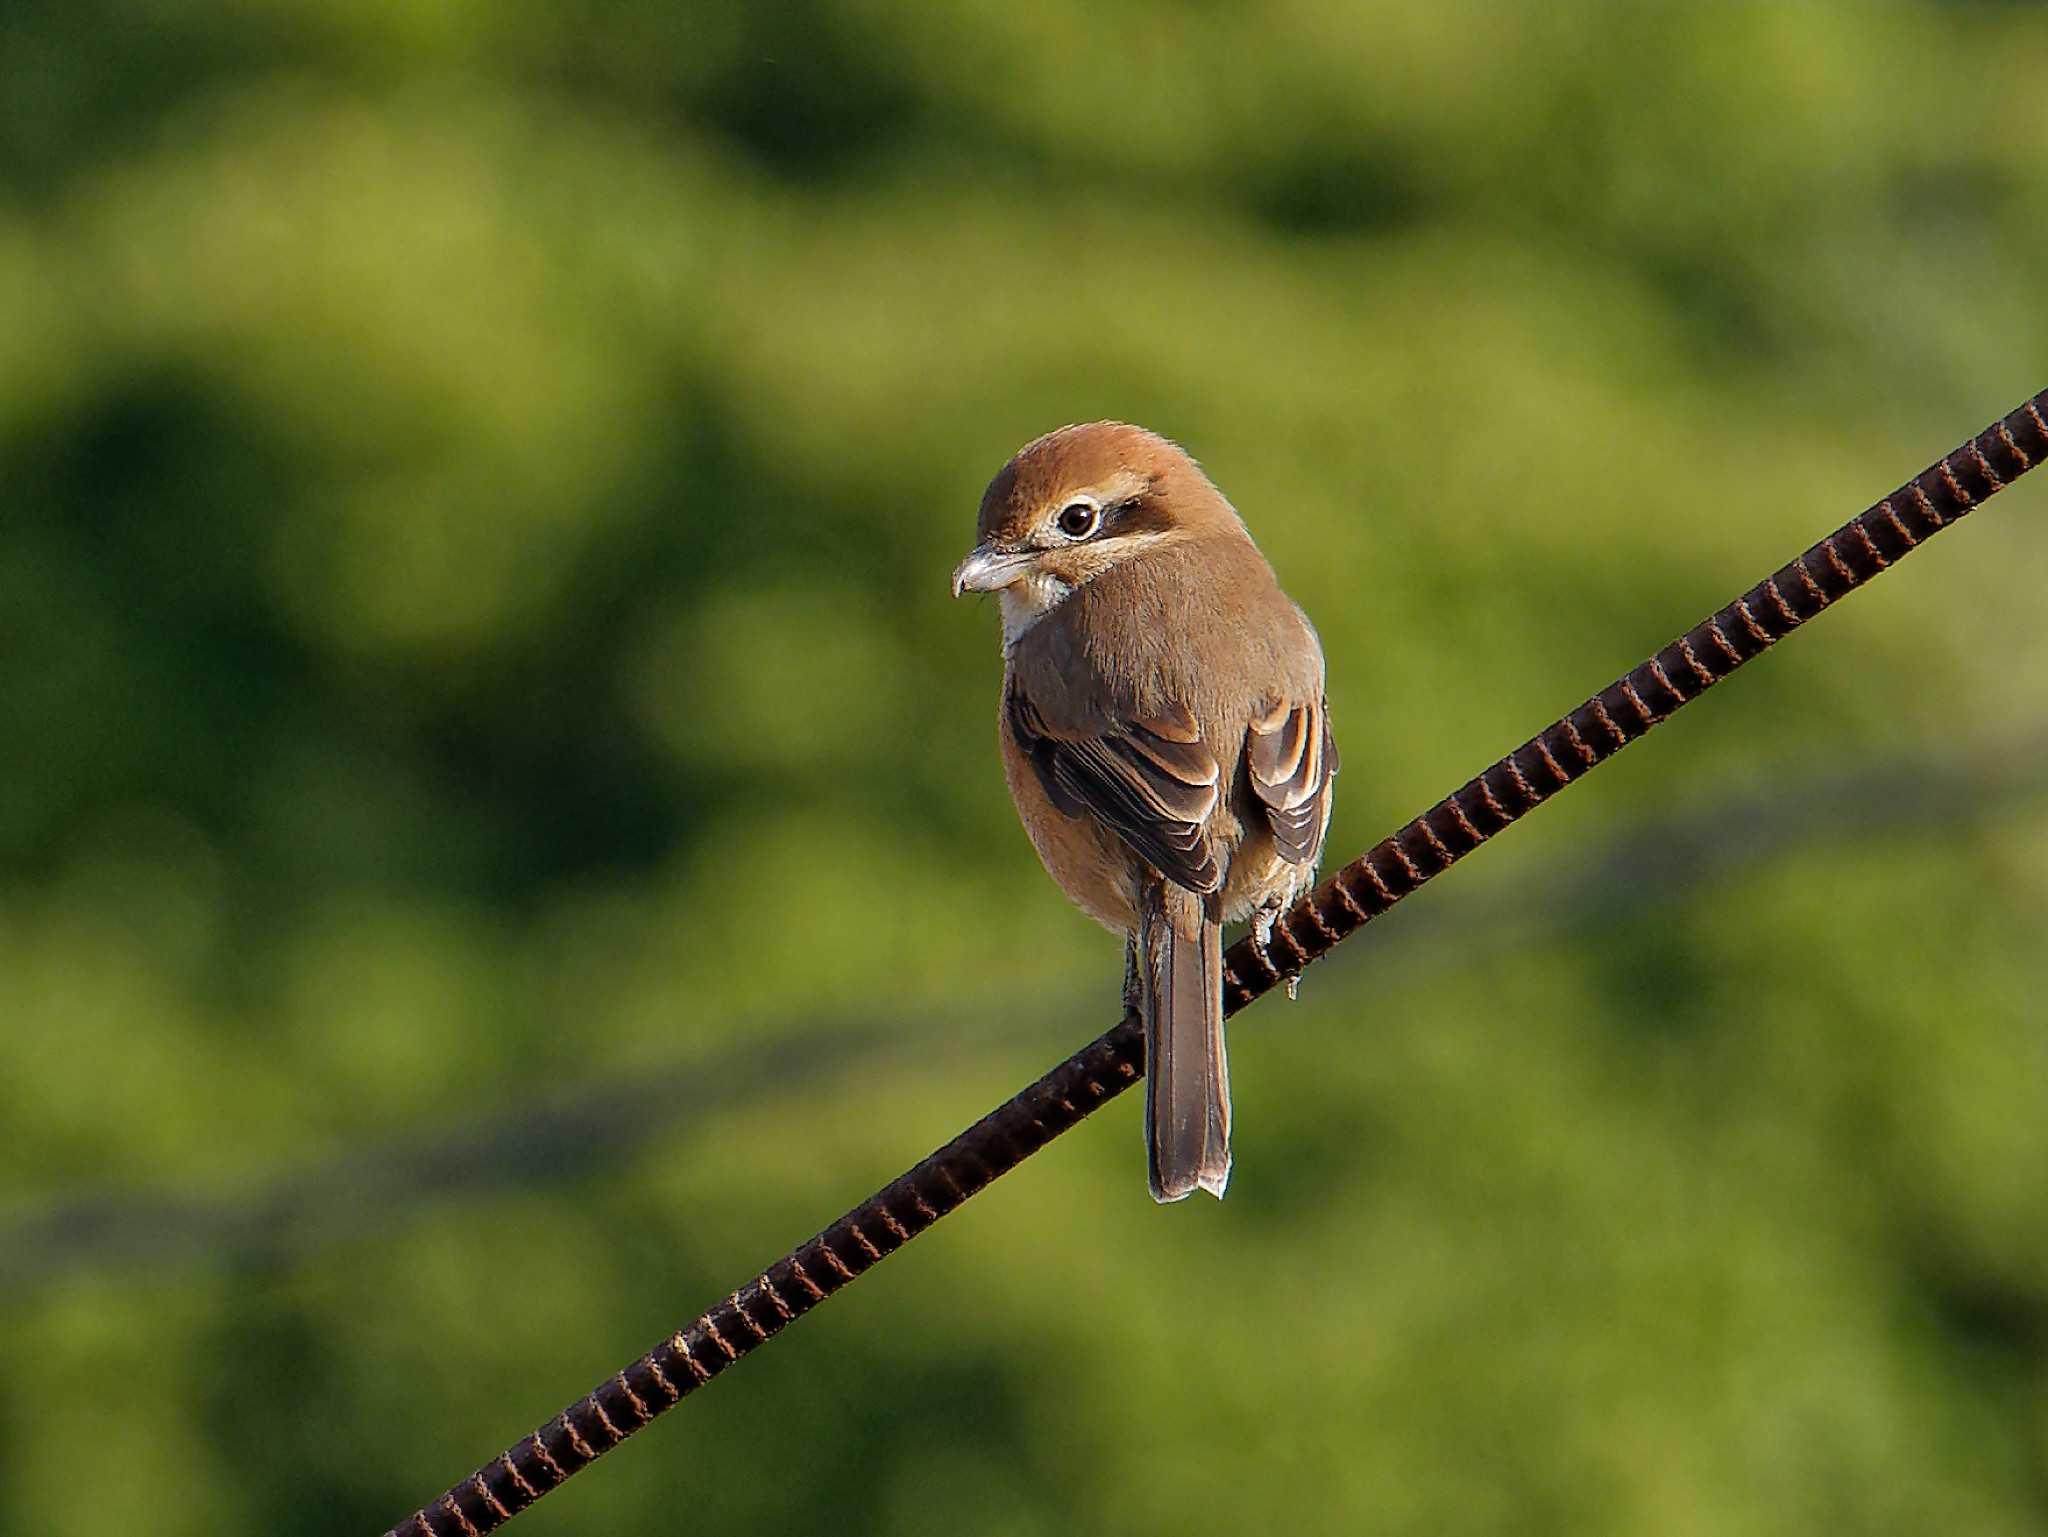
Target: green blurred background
pixel 500 832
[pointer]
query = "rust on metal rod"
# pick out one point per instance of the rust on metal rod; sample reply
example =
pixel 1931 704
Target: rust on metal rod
pixel 1565 751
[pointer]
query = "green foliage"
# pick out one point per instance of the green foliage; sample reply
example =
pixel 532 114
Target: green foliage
pixel 480 481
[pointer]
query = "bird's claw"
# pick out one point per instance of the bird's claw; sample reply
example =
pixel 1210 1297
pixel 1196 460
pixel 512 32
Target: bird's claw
pixel 1262 942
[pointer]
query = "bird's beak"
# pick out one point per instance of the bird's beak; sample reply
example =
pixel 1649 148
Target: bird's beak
pixel 988 569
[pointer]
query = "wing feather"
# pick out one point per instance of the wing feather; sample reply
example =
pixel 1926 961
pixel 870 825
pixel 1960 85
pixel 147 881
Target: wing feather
pixel 1292 757
pixel 1152 783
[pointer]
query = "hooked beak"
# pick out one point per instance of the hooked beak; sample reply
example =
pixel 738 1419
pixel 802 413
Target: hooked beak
pixel 988 569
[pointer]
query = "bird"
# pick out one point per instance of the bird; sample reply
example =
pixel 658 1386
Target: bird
pixel 1164 735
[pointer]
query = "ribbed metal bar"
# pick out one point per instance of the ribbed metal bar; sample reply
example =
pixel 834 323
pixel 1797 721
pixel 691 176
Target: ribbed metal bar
pixel 1565 751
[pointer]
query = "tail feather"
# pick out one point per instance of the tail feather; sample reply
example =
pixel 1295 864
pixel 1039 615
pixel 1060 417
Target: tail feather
pixel 1187 1079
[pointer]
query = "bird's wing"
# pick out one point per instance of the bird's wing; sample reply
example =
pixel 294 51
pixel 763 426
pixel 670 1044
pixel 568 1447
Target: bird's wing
pixel 1292 757
pixel 1151 782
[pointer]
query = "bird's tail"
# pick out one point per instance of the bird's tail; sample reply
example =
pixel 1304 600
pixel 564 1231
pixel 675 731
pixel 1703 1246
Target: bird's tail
pixel 1187 1079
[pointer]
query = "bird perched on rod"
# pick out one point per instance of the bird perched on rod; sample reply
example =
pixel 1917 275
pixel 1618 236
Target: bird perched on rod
pixel 1164 736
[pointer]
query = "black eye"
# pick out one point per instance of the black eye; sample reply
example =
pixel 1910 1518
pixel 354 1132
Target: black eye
pixel 1078 520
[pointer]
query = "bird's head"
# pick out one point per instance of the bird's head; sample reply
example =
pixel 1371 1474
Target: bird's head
pixel 1077 502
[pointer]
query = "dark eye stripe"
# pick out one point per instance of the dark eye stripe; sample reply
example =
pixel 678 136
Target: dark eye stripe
pixel 1137 515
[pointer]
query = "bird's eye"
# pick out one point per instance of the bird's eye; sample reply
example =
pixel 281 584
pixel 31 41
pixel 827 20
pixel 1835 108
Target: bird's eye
pixel 1077 520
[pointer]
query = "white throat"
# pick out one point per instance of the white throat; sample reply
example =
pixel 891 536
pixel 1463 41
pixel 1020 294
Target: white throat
pixel 1027 601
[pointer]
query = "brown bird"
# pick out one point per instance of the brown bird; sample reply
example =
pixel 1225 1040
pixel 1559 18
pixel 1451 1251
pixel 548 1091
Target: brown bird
pixel 1164 736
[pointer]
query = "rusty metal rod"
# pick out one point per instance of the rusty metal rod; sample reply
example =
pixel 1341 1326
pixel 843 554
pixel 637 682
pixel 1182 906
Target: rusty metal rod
pixel 1563 752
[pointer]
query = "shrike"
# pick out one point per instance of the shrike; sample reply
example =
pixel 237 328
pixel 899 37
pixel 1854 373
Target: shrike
pixel 1164 736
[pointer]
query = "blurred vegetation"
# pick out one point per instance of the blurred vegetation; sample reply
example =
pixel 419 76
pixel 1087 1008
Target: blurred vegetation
pixel 479 487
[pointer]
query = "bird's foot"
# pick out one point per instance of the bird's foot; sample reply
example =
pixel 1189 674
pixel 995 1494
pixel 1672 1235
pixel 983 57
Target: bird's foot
pixel 1262 942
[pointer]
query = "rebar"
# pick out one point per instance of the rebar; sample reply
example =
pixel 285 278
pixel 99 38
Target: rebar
pixel 1565 751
